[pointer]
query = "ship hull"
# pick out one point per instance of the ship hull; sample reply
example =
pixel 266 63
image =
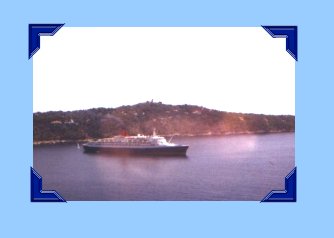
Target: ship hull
pixel 178 150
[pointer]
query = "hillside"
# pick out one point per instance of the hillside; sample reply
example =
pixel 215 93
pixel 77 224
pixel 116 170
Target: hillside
pixel 143 117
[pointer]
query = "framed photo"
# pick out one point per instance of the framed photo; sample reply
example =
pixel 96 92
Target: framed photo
pixel 160 196
pixel 170 113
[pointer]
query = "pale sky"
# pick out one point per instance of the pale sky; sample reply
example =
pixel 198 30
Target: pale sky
pixel 235 69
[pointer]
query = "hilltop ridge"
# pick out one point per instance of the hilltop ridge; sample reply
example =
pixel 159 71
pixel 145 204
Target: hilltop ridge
pixel 143 117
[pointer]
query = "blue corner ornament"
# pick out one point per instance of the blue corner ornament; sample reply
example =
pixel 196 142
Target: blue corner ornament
pixel 288 32
pixel 287 195
pixel 39 195
pixel 37 30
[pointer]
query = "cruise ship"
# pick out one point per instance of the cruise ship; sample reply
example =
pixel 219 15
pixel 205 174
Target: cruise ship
pixel 137 145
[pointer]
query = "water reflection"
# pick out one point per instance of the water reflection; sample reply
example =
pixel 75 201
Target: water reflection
pixel 241 167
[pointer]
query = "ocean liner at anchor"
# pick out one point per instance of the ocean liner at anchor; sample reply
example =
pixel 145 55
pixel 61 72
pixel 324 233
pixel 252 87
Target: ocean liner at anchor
pixel 137 145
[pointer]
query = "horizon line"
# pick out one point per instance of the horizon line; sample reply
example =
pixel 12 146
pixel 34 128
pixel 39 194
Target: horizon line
pixel 173 105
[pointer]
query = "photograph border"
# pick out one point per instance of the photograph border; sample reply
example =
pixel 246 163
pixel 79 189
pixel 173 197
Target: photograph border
pixel 310 216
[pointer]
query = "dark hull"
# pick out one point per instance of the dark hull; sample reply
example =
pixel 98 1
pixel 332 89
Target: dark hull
pixel 179 150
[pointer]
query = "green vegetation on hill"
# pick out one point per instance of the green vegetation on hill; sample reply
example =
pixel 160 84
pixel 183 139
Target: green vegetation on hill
pixel 143 117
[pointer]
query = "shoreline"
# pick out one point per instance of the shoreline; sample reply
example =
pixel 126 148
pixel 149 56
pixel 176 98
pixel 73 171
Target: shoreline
pixel 53 142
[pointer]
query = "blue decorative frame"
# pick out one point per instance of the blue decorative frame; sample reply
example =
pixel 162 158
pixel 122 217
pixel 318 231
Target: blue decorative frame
pixel 37 30
pixel 288 32
pixel 287 195
pixel 290 192
pixel 38 194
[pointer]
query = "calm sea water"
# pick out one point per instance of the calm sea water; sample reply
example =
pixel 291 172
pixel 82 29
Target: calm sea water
pixel 239 167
